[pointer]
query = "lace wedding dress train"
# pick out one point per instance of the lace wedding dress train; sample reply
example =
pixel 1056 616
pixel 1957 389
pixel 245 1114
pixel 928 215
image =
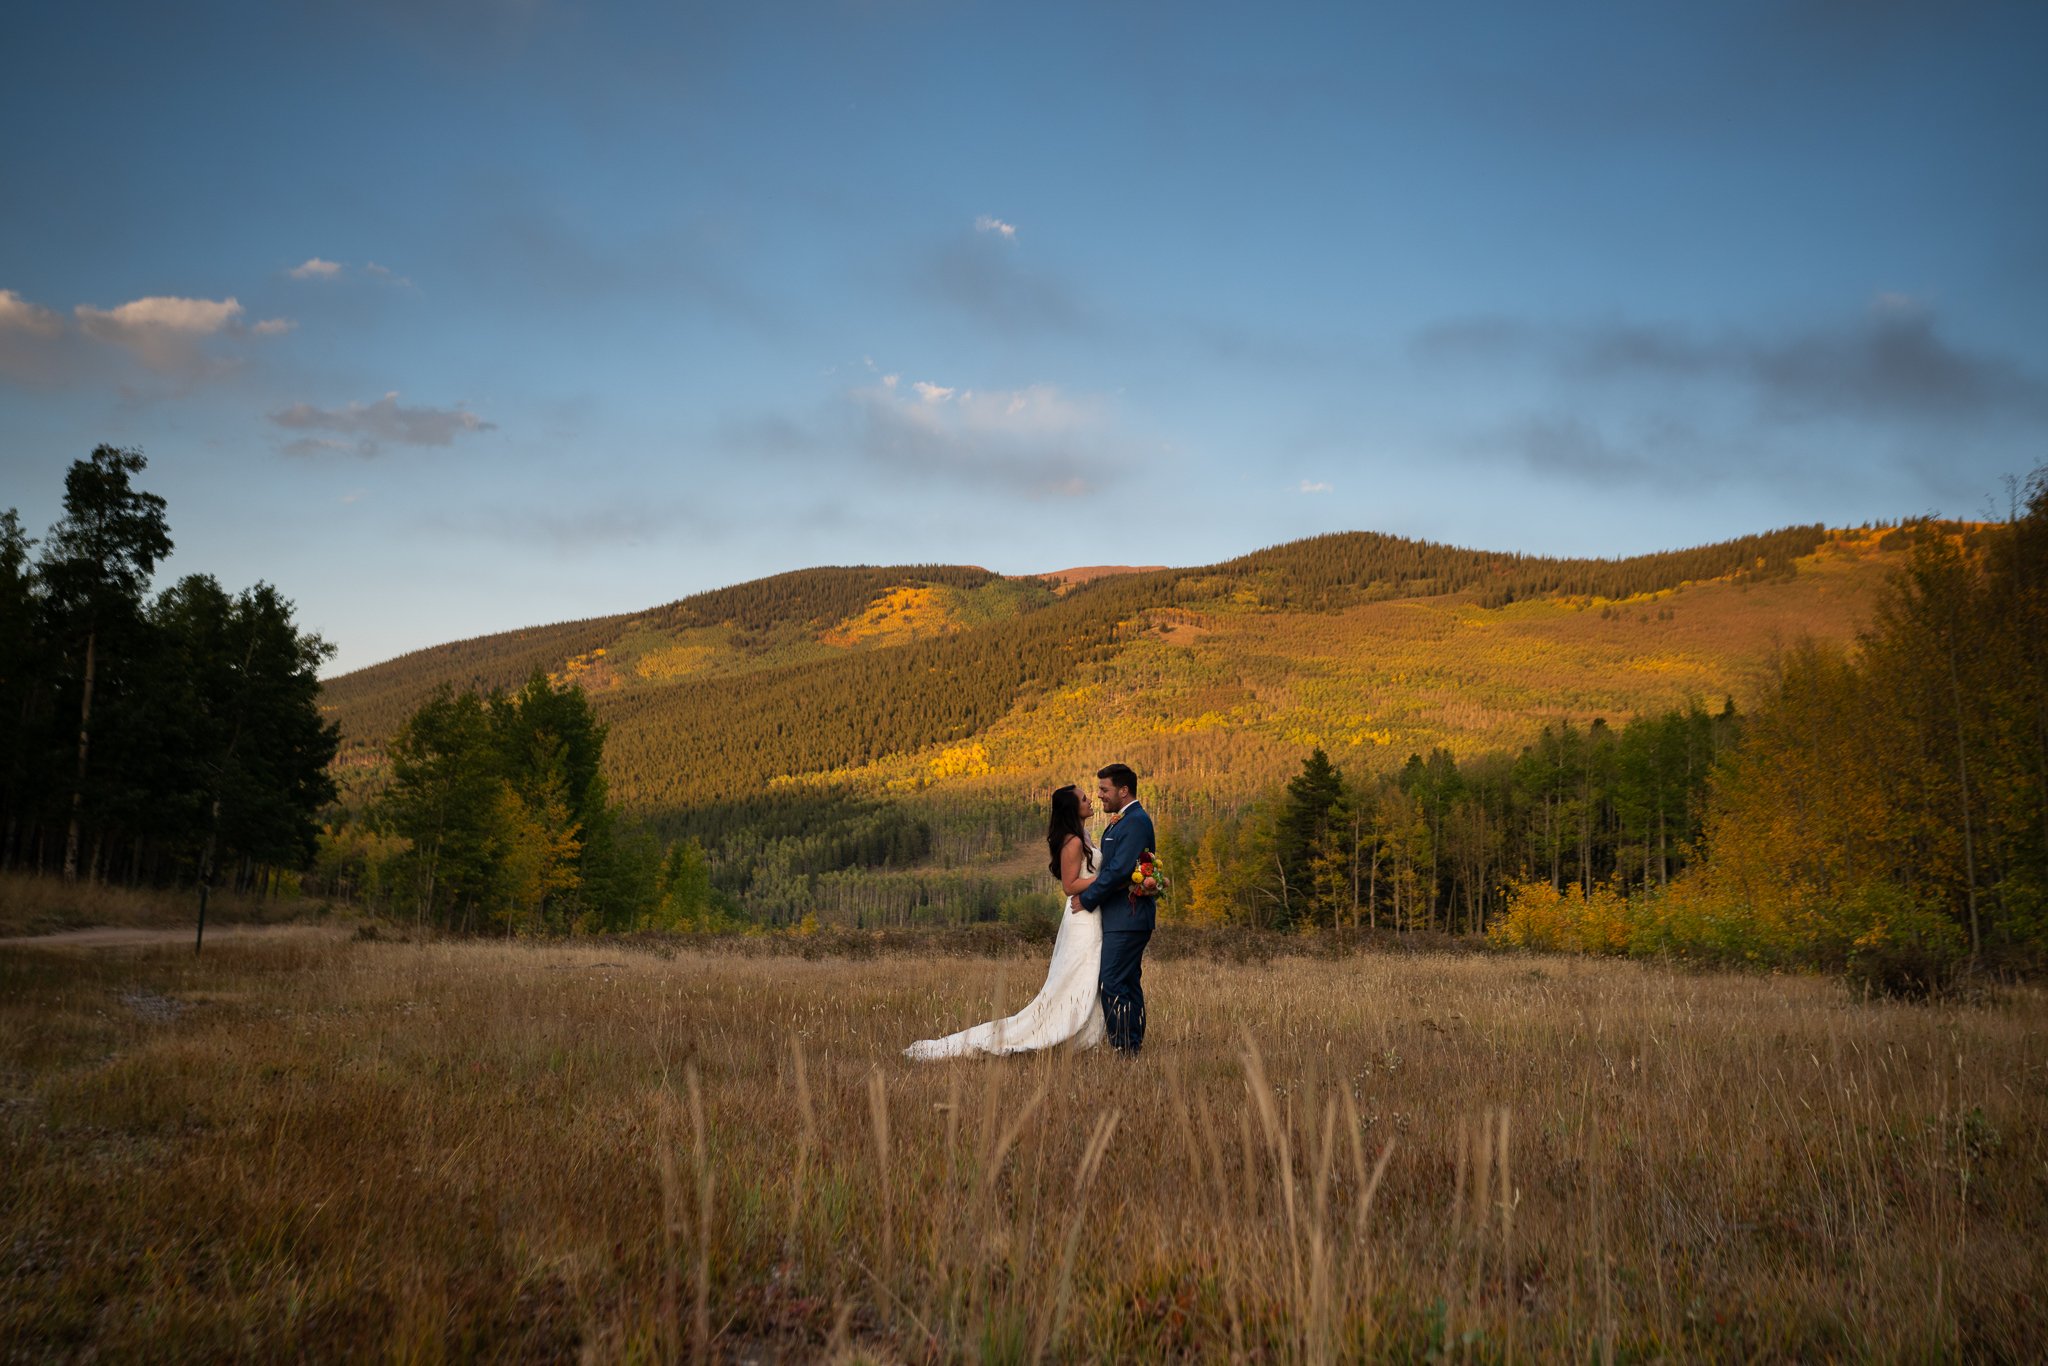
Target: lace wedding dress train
pixel 1066 1010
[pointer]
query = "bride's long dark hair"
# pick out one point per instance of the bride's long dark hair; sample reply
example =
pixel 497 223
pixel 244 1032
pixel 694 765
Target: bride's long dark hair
pixel 1065 821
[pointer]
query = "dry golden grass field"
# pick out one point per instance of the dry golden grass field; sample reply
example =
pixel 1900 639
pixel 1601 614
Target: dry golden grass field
pixel 303 1144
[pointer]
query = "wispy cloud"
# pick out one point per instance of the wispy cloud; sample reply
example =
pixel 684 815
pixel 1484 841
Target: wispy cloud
pixel 1571 447
pixel 321 445
pixel 373 424
pixel 1891 362
pixel 313 268
pixel 1313 486
pixel 596 522
pixel 524 249
pixel 1039 440
pixel 273 327
pixel 33 346
pixel 986 223
pixel 386 273
pixel 19 315
pixel 979 275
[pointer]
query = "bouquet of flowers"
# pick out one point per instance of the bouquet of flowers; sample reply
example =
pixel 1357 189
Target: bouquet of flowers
pixel 1149 877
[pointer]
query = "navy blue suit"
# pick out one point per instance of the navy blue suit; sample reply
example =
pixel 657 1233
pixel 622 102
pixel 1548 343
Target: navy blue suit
pixel 1126 927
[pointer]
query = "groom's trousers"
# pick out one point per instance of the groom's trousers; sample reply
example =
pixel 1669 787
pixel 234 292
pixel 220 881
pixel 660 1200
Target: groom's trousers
pixel 1123 995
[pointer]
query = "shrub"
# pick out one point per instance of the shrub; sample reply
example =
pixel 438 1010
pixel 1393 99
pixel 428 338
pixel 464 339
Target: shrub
pixel 1908 948
pixel 1540 916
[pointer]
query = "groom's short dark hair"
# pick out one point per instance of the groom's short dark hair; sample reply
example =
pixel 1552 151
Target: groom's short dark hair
pixel 1120 775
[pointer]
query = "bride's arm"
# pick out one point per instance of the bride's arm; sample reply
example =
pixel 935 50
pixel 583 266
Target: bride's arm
pixel 1072 877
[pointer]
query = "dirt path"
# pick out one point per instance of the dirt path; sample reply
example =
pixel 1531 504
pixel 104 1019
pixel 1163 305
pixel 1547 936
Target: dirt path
pixel 113 936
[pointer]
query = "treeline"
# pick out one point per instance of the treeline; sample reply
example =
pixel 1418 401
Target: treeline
pixel 496 819
pixel 149 740
pixel 1883 812
pixel 1888 809
pixel 1332 570
pixel 1436 844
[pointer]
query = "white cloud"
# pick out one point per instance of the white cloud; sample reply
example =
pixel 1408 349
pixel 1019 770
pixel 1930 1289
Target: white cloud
pixel 386 273
pixel 167 333
pixel 372 424
pixel 162 313
pixel 1314 487
pixel 162 331
pixel 316 269
pixel 19 315
pixel 890 381
pixel 986 223
pixel 1036 440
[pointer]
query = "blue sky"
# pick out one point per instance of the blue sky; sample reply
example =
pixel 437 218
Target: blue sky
pixel 450 316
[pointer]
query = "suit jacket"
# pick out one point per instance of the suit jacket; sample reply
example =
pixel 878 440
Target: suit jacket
pixel 1110 894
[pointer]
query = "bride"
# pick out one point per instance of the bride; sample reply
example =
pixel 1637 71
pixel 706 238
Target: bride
pixel 1067 1009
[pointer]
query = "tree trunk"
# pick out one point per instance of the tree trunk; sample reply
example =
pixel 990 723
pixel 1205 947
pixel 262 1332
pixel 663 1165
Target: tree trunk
pixel 1436 841
pixel 84 743
pixel 1372 877
pixel 1355 847
pixel 1663 852
pixel 1963 775
pixel 1550 841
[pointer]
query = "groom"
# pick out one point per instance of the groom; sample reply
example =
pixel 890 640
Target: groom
pixel 1126 914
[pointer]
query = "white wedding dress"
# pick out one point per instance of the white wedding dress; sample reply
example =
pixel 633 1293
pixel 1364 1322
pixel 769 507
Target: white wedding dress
pixel 1066 1010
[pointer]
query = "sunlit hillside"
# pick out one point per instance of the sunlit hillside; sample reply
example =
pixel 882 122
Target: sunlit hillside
pixel 1214 680
pixel 1218 700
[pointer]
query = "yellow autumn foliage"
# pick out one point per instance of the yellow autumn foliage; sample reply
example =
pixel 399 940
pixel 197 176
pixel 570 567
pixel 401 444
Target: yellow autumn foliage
pixel 1540 916
pixel 961 761
pixel 901 614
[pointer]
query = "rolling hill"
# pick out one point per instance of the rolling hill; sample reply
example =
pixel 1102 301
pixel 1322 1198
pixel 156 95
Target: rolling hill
pixel 1212 680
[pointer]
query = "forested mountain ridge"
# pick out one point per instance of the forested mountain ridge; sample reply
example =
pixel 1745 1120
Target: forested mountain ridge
pixel 782 619
pixel 899 678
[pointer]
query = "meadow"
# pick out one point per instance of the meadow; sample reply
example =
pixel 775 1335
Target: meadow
pixel 310 1143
